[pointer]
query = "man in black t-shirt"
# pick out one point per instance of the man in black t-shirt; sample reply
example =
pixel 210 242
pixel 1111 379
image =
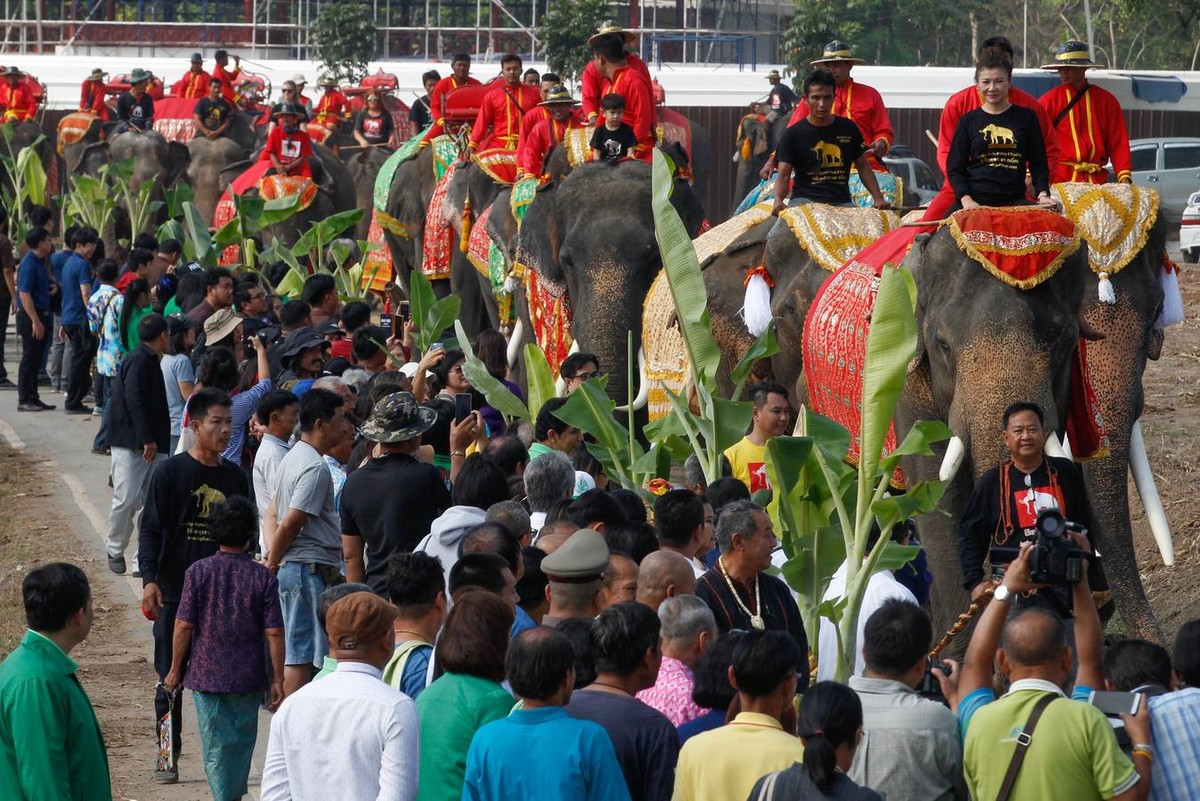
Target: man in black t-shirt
pixel 781 99
pixel 213 114
pixel 175 534
pixel 421 114
pixel 135 108
pixel 818 152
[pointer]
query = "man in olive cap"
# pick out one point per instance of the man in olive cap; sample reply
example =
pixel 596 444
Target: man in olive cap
pixel 1088 119
pixel 194 83
pixel 390 502
pixel 135 108
pixel 349 735
pixel 575 572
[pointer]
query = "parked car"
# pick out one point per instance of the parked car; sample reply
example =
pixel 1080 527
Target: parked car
pixel 1189 230
pixel 920 182
pixel 1172 166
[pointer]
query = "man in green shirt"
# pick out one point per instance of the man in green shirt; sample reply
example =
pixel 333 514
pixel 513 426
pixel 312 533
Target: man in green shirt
pixel 50 741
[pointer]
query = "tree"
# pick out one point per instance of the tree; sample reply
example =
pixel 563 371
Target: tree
pixel 344 35
pixel 564 33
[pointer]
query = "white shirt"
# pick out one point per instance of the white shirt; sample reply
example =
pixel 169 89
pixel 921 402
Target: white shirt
pixel 266 462
pixel 348 737
pixel 882 587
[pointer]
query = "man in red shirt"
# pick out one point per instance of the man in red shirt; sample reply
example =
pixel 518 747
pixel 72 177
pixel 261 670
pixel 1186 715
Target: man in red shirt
pixel 460 76
pixel 15 98
pixel 289 146
pixel 227 77
pixel 537 141
pixel 855 101
pixel 591 84
pixel 1088 120
pixel 91 94
pixel 618 76
pixel 194 83
pixel 332 106
pixel 498 125
pixel 969 99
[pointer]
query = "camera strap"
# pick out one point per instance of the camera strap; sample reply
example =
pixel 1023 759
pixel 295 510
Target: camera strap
pixel 1023 741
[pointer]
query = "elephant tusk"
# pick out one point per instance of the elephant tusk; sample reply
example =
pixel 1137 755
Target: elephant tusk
pixel 1143 478
pixel 643 395
pixel 1066 443
pixel 1054 447
pixel 560 386
pixel 952 461
pixel 514 343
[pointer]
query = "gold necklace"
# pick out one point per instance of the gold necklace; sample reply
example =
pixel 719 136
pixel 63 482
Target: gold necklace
pixel 756 620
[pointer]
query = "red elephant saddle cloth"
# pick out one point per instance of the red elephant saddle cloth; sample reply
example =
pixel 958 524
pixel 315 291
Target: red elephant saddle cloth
pixel 835 338
pixel 1114 219
pixel 833 234
pixel 222 215
pixel 675 128
pixel 174 118
pixel 1020 245
pixel 550 314
pixel 439 236
pixel 319 132
pixel 273 187
pixel 486 257
pixel 377 271
pixel 73 127
pixel 499 164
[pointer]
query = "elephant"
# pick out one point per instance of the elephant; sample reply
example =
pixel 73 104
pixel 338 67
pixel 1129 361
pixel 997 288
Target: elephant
pixel 335 194
pixel 208 159
pixel 364 166
pixel 763 136
pixel 24 134
pixel 593 232
pixel 407 203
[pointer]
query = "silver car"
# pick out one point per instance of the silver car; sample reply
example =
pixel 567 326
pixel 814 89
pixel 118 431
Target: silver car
pixel 1172 166
pixel 919 180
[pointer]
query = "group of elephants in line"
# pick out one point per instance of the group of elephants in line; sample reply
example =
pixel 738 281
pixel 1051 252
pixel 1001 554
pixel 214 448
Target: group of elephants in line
pixel 589 231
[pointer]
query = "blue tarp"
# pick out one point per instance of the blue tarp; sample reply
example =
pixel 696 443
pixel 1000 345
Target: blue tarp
pixel 1158 88
pixel 1036 85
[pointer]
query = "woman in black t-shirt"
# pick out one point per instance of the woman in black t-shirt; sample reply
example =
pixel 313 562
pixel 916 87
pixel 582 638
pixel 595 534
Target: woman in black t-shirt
pixel 995 145
pixel 374 125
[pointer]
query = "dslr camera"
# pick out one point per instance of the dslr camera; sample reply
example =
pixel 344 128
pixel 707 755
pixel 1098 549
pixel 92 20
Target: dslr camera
pixel 1056 559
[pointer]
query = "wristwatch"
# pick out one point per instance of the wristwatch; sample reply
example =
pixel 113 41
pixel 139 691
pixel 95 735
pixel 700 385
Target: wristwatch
pixel 1002 594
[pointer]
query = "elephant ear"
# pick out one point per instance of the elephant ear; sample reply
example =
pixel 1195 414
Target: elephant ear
pixel 914 262
pixel 94 156
pixel 321 174
pixel 178 159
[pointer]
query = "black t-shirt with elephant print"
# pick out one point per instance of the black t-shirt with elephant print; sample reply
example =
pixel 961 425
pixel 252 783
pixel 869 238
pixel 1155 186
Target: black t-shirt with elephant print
pixel 991 152
pixel 213 113
pixel 821 157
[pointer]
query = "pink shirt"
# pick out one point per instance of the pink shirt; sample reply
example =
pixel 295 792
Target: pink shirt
pixel 672 693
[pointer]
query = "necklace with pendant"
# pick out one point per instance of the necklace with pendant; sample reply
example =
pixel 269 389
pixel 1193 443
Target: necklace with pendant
pixel 756 620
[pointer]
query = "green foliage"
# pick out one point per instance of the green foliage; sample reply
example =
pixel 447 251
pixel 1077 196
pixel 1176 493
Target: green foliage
pixel 431 315
pixel 25 181
pixel 344 35
pixel 89 202
pixel 824 509
pixel 564 32
pixel 498 396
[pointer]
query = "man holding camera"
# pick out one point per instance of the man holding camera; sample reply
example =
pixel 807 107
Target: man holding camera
pixel 1003 510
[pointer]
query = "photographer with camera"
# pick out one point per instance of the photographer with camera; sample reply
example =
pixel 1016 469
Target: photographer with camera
pixel 910 747
pixel 1006 504
pixel 1065 748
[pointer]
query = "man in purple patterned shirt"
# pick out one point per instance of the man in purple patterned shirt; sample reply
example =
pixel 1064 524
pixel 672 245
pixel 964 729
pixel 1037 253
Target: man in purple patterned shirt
pixel 688 629
pixel 228 609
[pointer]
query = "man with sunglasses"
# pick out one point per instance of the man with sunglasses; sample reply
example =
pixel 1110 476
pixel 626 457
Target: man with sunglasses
pixel 577 368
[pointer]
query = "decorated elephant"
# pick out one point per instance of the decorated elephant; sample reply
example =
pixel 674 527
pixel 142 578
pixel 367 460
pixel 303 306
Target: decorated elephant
pixel 591 236
pixel 409 193
pixel 756 139
pixel 207 160
pixel 364 165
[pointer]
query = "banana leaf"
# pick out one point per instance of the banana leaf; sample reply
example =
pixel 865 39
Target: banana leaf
pixel 432 315
pixel 197 244
pixel 498 396
pixel 32 175
pixel 764 347
pixel 538 380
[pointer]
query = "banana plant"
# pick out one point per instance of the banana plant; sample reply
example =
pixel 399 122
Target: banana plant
pixel 90 202
pixel 824 509
pixel 431 314
pixel 26 183
pixel 137 202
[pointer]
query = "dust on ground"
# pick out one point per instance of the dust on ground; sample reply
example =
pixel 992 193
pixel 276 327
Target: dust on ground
pixel 113 661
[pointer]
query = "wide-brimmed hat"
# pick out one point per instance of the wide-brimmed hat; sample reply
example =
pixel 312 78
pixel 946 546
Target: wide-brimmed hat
pixel 774 74
pixel 97 75
pixel 301 340
pixel 398 417
pixel 607 27
pixel 299 79
pixel 197 58
pixel 1071 53
pixel 13 72
pixel 294 109
pixel 220 324
pixel 837 51
pixel 329 80
pixel 558 95
pixel 138 75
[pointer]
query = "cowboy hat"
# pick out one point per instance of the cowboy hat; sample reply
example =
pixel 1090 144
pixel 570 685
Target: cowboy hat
pixel 774 74
pixel 837 51
pixel 607 27
pixel 398 417
pixel 1071 53
pixel 139 75
pixel 294 109
pixel 197 58
pixel 220 324
pixel 558 95
pixel 97 75
pixel 328 80
pixel 14 72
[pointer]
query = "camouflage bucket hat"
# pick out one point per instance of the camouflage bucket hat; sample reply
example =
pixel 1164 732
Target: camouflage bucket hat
pixel 398 417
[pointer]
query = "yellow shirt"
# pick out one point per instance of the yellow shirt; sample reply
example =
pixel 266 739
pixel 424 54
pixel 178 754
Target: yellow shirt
pixel 725 763
pixel 749 463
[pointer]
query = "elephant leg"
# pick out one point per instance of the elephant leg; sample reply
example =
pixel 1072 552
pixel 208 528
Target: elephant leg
pixel 1112 535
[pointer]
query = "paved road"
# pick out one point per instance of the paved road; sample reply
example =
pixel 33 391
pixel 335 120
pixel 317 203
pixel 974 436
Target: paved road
pixel 65 442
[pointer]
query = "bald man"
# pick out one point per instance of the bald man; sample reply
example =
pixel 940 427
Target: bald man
pixel 620 581
pixel 664 574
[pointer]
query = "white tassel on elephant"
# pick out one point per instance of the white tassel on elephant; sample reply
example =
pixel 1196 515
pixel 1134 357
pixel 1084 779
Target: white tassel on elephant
pixel 1172 308
pixel 1105 290
pixel 756 308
